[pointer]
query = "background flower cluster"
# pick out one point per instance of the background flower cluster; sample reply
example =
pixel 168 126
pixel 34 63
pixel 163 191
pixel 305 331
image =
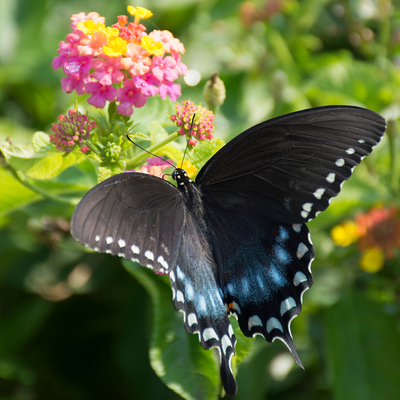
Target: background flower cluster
pixel 120 62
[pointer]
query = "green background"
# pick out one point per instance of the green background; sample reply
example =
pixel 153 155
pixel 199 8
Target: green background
pixel 78 325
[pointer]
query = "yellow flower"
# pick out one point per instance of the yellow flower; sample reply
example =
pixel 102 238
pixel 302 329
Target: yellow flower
pixel 372 260
pixel 116 47
pixel 152 46
pixel 89 27
pixel 345 234
pixel 139 13
pixel 188 167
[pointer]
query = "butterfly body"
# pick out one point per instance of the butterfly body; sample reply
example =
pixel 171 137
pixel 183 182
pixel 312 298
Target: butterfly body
pixel 235 240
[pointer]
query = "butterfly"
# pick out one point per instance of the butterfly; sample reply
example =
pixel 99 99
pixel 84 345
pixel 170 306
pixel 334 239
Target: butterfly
pixel 235 241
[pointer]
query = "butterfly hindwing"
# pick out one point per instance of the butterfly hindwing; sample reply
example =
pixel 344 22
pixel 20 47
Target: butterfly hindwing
pixel 133 215
pixel 196 294
pixel 265 267
pixel 288 168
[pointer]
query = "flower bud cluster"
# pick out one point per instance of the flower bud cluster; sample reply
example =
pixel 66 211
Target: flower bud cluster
pixel 72 130
pixel 201 127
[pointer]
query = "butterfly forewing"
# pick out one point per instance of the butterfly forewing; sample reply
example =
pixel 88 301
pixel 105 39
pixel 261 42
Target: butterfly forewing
pixel 133 215
pixel 289 168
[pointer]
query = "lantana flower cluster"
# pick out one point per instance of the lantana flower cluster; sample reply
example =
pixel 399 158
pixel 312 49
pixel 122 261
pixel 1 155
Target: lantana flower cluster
pixel 120 62
pixel 199 128
pixel 377 233
pixel 71 130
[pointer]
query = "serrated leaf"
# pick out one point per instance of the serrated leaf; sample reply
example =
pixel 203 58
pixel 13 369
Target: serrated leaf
pixel 176 357
pixel 364 350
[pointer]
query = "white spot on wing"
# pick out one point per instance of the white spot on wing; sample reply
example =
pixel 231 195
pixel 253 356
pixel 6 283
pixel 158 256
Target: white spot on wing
pixel 304 214
pixel 192 319
pixel 172 276
pixel 296 227
pixel 225 342
pixel 273 323
pixel 340 162
pixel 109 239
pixel 149 254
pixel 97 238
pixel 331 177
pixel 287 305
pixel 318 193
pixel 179 297
pixel 209 333
pixel 350 151
pixel 121 243
pixel 254 321
pixel 361 141
pixel 135 249
pixel 299 277
pixel 230 330
pixel 161 260
pixel 301 250
pixel 307 206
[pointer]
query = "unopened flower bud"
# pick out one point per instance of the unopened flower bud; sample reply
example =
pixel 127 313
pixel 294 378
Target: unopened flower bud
pixel 214 92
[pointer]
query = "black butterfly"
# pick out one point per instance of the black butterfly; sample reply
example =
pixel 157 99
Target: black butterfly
pixel 235 241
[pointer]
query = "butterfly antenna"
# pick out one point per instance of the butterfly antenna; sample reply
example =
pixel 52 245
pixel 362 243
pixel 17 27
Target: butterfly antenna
pixel 154 155
pixel 190 135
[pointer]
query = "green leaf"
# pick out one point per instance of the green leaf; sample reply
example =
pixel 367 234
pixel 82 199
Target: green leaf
pixel 204 151
pixel 39 160
pixel 364 350
pixel 176 357
pixel 139 136
pixel 15 194
pixel 157 132
pixel 171 152
pixel 243 346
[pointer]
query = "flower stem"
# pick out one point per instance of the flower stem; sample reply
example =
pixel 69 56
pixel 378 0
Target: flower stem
pixel 152 149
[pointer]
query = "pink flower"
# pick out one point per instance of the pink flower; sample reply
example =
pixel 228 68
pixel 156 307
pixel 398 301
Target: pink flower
pixel 155 167
pixel 78 65
pixel 147 84
pixel 164 68
pixel 172 90
pixel 100 94
pixel 136 60
pixel 129 96
pixel 108 71
pixel 93 45
pixel 67 49
pixel 75 82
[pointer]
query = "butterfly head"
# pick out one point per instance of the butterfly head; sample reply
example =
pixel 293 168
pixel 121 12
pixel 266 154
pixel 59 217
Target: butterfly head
pixel 180 176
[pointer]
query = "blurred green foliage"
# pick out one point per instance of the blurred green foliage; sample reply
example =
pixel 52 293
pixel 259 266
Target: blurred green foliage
pixel 77 325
